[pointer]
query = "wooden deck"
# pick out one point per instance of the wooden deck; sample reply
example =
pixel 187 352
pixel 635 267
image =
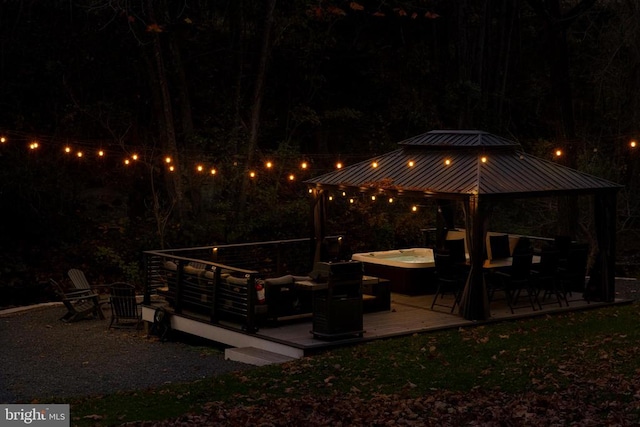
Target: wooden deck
pixel 408 315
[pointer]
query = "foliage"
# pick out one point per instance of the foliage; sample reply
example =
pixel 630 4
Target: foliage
pixel 344 79
pixel 110 259
pixel 579 367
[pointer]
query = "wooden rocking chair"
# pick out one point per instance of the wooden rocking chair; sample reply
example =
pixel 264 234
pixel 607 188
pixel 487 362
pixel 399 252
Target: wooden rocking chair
pixel 80 304
pixel 125 309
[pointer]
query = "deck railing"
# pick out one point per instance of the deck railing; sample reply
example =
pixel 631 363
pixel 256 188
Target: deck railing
pixel 219 281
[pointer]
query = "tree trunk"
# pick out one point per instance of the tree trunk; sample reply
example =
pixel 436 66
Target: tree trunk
pixel 166 126
pixel 254 129
pixel 555 44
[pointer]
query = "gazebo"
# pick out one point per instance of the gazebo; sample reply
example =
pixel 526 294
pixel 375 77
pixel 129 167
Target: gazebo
pixel 477 169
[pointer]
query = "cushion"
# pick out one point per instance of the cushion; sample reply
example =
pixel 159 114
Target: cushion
pixel 170 265
pixel 277 281
pixel 500 246
pixel 237 280
pixel 192 270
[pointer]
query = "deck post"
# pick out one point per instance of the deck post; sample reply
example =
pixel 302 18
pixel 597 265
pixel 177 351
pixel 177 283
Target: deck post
pixel 179 278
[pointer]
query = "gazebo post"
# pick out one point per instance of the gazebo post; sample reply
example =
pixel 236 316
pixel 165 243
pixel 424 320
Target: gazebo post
pixel 474 304
pixel 601 284
pixel 319 220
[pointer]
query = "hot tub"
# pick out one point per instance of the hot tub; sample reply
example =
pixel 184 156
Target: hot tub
pixel 410 271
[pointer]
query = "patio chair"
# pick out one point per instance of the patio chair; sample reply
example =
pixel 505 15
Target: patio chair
pixel 125 309
pixel 456 250
pixel 546 280
pixel 514 280
pixel 500 246
pixel 572 273
pixel 80 304
pixel 80 282
pixel 450 277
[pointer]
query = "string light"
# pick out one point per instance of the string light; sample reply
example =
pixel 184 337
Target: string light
pixel 292 177
pixel 304 165
pixel 351 200
pixel 447 162
pixel 213 171
pixel 330 198
pixel 134 157
pixel 199 168
pixel 167 159
pixel 483 159
pixel 633 144
pixel 67 149
pixel 411 163
pixel 390 199
pixel 339 165
pixel 414 208
pixel 3 139
pixel 374 164
pixel 373 198
pixel 34 146
pixel 269 165
pixel 101 153
pixel 252 174
pixel 127 161
pixel 79 154
pixel 558 153
pixel 172 168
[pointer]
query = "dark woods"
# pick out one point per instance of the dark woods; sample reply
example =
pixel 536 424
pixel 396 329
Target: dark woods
pixel 231 84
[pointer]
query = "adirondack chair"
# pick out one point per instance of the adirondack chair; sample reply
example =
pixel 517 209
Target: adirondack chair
pixel 80 304
pixel 80 282
pixel 125 310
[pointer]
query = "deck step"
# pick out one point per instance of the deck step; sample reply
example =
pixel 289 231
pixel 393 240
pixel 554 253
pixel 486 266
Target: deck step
pixel 255 356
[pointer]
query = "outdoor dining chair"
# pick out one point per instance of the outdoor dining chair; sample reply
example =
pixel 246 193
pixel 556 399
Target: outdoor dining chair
pixel 515 280
pixel 126 311
pixel 546 280
pixel 451 277
pixel 500 246
pixel 572 273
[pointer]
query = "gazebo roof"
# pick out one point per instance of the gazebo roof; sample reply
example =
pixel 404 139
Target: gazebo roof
pixel 460 164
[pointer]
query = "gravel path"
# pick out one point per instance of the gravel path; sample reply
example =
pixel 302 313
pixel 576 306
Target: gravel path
pixel 43 358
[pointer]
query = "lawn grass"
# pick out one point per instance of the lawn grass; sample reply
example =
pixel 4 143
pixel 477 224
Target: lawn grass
pixel 544 354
